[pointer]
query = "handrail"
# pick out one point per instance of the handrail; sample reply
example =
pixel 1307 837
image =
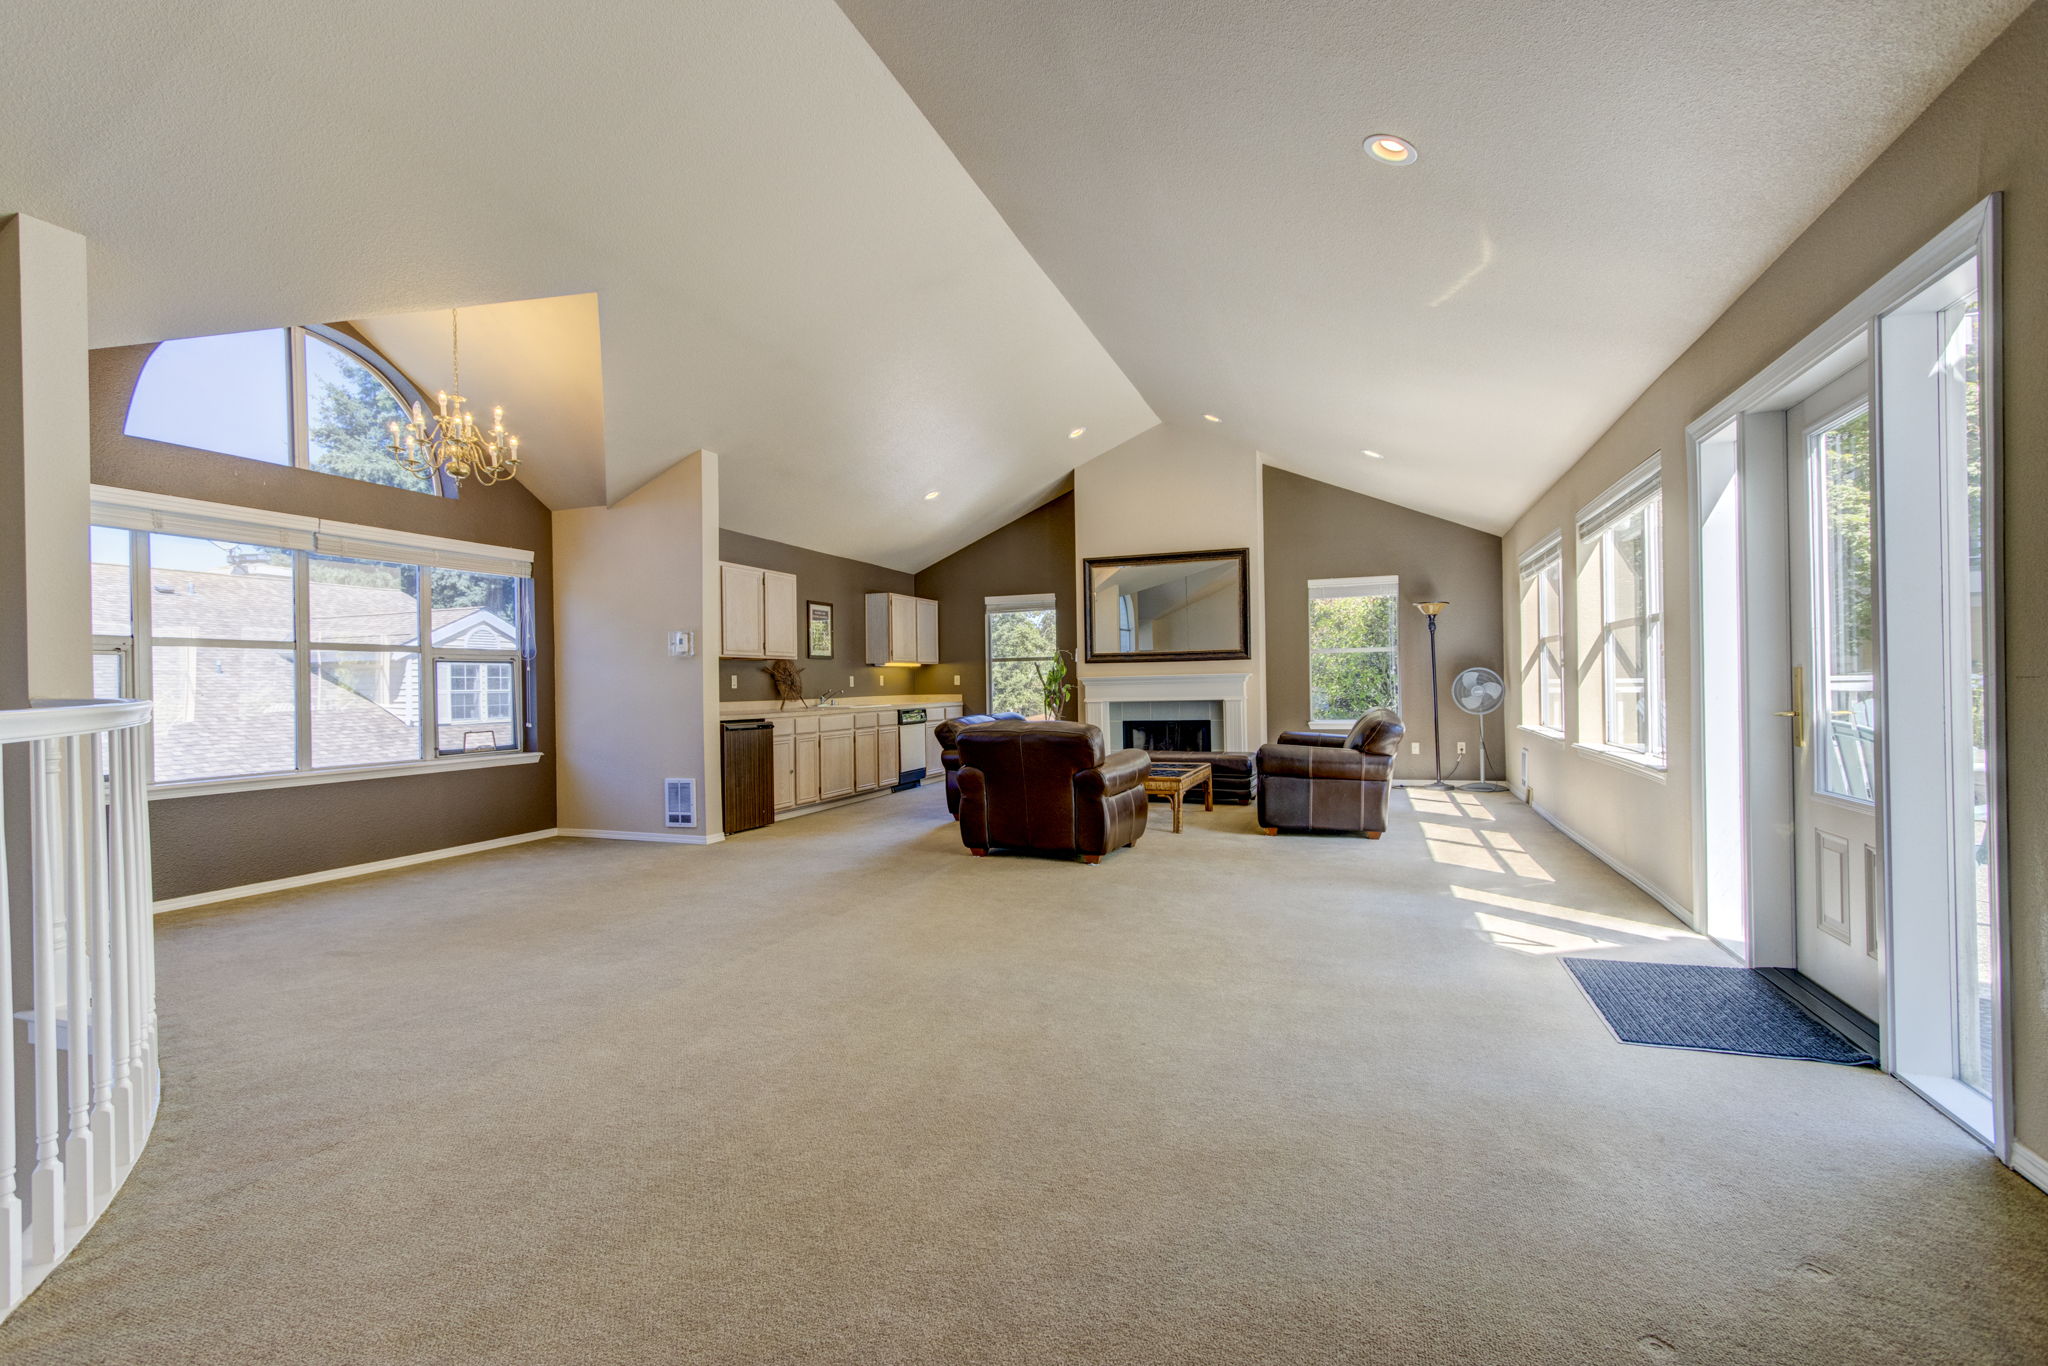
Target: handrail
pixel 90 1048
pixel 59 718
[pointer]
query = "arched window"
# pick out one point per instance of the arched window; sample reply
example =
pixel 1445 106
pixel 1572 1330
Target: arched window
pixel 311 397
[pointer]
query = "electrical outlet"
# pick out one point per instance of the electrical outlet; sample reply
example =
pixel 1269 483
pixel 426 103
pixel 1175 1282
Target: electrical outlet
pixel 734 682
pixel 1461 749
pixel 1415 746
pixel 849 680
pixel 956 680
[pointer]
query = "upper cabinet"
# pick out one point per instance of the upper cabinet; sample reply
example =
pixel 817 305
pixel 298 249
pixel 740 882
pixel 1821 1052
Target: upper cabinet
pixel 760 616
pixel 902 629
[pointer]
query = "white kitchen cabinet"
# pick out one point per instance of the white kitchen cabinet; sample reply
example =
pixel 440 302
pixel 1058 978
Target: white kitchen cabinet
pixel 927 612
pixel 867 759
pixel 807 760
pixel 743 621
pixel 835 765
pixel 785 766
pixel 760 616
pixel 902 629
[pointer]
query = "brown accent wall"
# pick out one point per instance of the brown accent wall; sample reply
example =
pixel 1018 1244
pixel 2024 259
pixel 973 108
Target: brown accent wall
pixel 1318 531
pixel 819 578
pixel 1033 554
pixel 202 844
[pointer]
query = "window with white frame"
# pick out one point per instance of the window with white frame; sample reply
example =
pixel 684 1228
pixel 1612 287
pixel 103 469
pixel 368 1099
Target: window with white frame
pixel 275 644
pixel 1621 539
pixel 1353 648
pixel 313 397
pixel 1023 642
pixel 1543 637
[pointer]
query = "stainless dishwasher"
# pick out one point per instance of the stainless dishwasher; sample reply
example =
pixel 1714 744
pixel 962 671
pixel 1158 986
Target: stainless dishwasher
pixel 909 748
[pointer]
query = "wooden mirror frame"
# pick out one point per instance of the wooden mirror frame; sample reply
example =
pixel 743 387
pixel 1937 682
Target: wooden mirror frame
pixel 1242 555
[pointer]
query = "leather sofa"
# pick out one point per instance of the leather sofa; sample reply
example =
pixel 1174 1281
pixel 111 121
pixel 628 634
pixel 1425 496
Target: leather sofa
pixel 947 733
pixel 1316 780
pixel 1048 785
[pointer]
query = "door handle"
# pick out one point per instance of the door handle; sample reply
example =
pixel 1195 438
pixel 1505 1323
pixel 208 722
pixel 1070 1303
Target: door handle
pixel 1798 712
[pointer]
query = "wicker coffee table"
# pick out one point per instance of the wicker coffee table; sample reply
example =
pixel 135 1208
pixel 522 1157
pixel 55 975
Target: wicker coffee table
pixel 1174 781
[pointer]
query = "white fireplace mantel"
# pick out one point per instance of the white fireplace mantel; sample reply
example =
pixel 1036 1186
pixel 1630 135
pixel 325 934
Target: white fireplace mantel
pixel 1231 690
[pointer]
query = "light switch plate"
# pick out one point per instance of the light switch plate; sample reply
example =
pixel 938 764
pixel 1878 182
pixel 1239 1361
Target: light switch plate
pixel 1415 747
pixel 735 683
pixel 956 680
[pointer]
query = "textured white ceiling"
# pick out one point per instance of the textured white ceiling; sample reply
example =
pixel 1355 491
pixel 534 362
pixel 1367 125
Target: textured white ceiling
pixel 1598 180
pixel 791 267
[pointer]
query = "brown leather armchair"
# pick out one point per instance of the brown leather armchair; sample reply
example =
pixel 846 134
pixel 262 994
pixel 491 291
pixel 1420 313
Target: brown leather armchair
pixel 947 733
pixel 1048 785
pixel 1316 780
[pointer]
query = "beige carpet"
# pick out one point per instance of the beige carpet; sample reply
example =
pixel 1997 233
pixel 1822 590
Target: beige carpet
pixel 837 1092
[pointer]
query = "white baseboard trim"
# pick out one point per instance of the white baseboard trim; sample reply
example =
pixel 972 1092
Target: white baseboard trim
pixel 2030 1164
pixel 655 837
pixel 286 884
pixel 1643 884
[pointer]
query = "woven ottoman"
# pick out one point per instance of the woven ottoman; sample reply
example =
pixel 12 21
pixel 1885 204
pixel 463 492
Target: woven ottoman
pixel 1237 782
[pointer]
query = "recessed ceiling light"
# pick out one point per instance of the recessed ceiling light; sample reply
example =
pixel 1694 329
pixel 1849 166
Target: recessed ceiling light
pixel 1210 417
pixel 929 496
pixel 1392 150
pixel 1076 432
pixel 1374 455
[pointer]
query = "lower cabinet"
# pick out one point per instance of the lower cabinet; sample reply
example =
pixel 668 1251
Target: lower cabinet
pixel 867 759
pixel 835 764
pixel 807 769
pixel 785 769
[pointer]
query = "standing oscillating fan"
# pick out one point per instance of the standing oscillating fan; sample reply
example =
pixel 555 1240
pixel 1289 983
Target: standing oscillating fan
pixel 1479 691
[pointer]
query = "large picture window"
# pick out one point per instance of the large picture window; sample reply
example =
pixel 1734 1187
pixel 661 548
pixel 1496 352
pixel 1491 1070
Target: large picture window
pixel 1543 637
pixel 1023 640
pixel 1622 539
pixel 1353 648
pixel 312 397
pixel 290 647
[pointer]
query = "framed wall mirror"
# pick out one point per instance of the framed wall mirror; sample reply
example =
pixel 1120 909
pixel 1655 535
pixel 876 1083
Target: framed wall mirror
pixel 1190 605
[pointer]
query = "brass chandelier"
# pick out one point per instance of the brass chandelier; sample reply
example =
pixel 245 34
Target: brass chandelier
pixel 451 442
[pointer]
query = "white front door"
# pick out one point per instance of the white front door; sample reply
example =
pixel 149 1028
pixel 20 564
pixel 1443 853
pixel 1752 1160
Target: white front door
pixel 1838 856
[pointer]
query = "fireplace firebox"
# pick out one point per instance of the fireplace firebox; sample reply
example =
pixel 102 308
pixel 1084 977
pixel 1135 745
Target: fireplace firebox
pixel 1167 735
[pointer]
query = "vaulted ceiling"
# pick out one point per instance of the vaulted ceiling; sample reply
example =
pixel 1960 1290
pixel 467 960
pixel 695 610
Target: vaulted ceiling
pixel 864 282
pixel 1598 180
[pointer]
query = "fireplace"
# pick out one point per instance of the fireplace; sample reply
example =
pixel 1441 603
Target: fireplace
pixel 1167 735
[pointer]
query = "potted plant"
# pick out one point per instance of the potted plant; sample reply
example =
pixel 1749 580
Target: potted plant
pixel 1056 682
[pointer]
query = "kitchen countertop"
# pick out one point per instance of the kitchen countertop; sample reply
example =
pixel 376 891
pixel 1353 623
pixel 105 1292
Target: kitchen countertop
pixel 733 711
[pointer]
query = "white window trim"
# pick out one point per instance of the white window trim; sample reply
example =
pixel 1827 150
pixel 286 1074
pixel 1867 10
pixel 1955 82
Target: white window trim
pixel 137 510
pixel 1639 487
pixel 1003 604
pixel 1543 556
pixel 1369 585
pixel 263 782
pixel 1650 765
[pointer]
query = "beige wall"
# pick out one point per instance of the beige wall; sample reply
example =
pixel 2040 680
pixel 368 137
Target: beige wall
pixel 819 578
pixel 202 844
pixel 630 714
pixel 1033 554
pixel 1988 132
pixel 1172 489
pixel 1318 531
pixel 44 462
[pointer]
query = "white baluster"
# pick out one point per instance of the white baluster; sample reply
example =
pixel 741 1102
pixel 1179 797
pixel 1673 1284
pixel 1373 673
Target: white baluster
pixel 98 850
pixel 145 907
pixel 46 867
pixel 120 994
pixel 12 1249
pixel 78 950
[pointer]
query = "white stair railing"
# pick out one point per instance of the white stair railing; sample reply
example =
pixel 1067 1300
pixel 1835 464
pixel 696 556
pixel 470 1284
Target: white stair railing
pixel 87 1030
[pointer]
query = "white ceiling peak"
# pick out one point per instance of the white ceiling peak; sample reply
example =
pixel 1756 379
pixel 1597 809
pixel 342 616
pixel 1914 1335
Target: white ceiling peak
pixel 1596 183
pixel 792 268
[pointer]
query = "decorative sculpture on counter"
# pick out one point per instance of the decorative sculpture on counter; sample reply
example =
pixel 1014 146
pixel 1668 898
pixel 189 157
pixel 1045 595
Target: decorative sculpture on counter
pixel 788 680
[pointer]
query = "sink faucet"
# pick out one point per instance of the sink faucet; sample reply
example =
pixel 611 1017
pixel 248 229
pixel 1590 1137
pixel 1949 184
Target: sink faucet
pixel 826 695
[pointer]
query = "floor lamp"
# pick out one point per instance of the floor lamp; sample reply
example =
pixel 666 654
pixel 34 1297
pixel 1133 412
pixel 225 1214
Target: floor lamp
pixel 1436 731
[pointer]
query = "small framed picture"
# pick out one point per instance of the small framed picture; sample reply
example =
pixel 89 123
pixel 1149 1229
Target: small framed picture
pixel 818 616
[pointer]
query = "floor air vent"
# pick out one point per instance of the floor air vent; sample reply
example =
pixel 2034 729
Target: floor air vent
pixel 681 801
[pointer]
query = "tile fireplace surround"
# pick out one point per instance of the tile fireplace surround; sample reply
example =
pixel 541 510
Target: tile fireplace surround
pixel 1206 694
